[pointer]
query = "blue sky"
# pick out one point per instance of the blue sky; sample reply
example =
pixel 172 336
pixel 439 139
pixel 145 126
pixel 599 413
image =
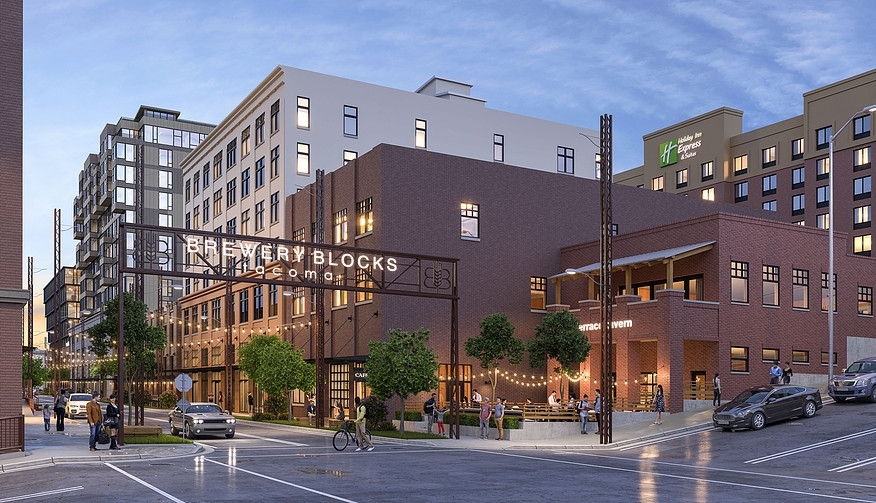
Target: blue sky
pixel 648 63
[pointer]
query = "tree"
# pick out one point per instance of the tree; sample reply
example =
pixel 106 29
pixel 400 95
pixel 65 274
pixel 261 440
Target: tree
pixel 41 373
pixel 276 366
pixel 559 338
pixel 496 343
pixel 401 366
pixel 141 342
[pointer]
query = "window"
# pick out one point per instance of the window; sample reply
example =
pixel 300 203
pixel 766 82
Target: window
pixel 741 191
pixel 566 160
pixel 798 177
pixel 339 297
pixel 822 137
pixel 349 155
pixel 244 183
pixel 657 183
pixel 770 355
pixel 275 207
pixel 865 300
pixel 822 168
pixel 260 216
pixel 537 293
pixel 862 127
pixel 800 289
pixel 351 121
pixel 303 116
pixel 740 164
pixel 862 158
pixel 258 303
pixel 681 178
pixel 822 221
pixel 298 301
pixel 244 306
pixel 708 170
pixel 768 156
pixel 260 130
pixel 303 165
pixel 862 245
pixel 217 203
pixel 205 211
pixel 469 218
pixel 862 187
pixel 769 185
pixel 298 234
pixel 363 280
pixel 165 220
pixel 824 358
pixel 420 133
pixel 231 152
pixel 364 217
pixel 499 148
pixel 196 183
pixel 738 281
pixel 231 226
pixel 165 201
pixel 800 356
pixel 770 285
pixel 244 144
pixel 769 205
pixel 275 117
pixel 196 217
pixel 797 149
pixel 244 222
pixel 260 172
pixel 738 359
pixel 165 158
pixel 165 179
pixel 825 292
pixel 798 204
pixel 188 190
pixel 863 217
pixel 205 174
pixel 709 194
pixel 231 192
pixel 822 196
pixel 339 227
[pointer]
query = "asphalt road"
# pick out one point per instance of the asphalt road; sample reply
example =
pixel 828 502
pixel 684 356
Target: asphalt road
pixel 830 457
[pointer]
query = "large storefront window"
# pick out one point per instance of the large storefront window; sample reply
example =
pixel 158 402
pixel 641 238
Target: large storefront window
pixel 339 386
pixel 464 377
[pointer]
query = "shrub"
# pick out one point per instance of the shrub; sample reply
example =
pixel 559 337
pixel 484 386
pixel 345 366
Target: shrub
pixel 410 415
pixel 277 404
pixel 376 412
pixel 263 416
pixel 167 400
pixel 382 426
pixel 475 420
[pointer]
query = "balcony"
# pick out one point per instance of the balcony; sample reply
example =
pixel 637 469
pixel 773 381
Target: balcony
pixel 107 280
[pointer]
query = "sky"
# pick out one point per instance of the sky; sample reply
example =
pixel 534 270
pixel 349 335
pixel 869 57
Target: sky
pixel 649 64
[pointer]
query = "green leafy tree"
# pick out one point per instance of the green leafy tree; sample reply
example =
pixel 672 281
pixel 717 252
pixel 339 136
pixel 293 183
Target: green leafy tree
pixel 276 367
pixel 142 340
pixel 401 366
pixel 496 343
pixel 41 373
pixel 559 338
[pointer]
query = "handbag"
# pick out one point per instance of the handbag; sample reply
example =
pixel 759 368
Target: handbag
pixel 111 422
pixel 103 437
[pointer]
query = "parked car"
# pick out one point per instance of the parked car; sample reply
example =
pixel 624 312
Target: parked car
pixel 44 401
pixel 761 405
pixel 201 418
pixel 857 381
pixel 76 403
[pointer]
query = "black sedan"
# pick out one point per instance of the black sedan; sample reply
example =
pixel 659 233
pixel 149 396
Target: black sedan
pixel 201 419
pixel 761 405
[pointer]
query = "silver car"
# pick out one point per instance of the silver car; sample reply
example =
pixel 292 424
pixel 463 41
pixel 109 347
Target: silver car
pixel 857 381
pixel 201 418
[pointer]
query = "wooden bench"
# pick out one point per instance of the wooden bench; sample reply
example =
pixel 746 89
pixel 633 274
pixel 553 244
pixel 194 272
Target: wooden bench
pixel 142 431
pixel 549 414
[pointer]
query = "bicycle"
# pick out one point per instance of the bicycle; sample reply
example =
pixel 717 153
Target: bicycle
pixel 346 436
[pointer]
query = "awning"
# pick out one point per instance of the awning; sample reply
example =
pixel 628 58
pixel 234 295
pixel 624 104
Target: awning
pixel 641 260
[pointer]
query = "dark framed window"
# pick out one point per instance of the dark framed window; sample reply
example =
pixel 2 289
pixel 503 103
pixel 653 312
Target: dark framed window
pixel 865 300
pixel 260 129
pixel 770 355
pixel 244 183
pixel 770 289
pixel 862 245
pixel 364 216
pixel 708 170
pixel 275 207
pixel 862 127
pixel 244 306
pixel 798 204
pixel 260 172
pixel 740 164
pixel 741 191
pixel 797 149
pixel 769 185
pixel 800 289
pixel 768 157
pixel 862 158
pixel 824 358
pixel 231 192
pixel 499 148
pixel 470 220
pixel 681 178
pixel 822 137
pixel 275 162
pixel 258 299
pixel 822 168
pixel 738 359
pixel 420 133
pixel 231 152
pixel 863 216
pixel 275 117
pixel 800 356
pixel 798 177
pixel 822 196
pixel 862 188
pixel 537 293
pixel 825 292
pixel 302 117
pixel 738 281
pixel 351 121
pixel 273 300
pixel 302 164
pixel 565 160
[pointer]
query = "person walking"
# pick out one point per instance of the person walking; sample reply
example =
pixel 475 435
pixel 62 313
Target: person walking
pixel 659 404
pixel 787 372
pixel 60 410
pixel 95 420
pixel 429 412
pixel 112 421
pixel 716 390
pixel 440 415
pixel 47 417
pixel 361 437
pixel 220 400
pixel 775 373
pixel 484 416
pixel 250 400
pixel 584 412
pixel 499 416
pixel 597 409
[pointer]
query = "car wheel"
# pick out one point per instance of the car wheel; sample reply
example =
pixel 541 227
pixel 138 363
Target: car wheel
pixel 839 399
pixel 873 394
pixel 188 431
pixel 809 409
pixel 758 421
pixel 173 430
pixel 229 435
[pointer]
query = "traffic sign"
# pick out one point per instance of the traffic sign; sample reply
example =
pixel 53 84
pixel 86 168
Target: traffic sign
pixel 183 404
pixel 183 382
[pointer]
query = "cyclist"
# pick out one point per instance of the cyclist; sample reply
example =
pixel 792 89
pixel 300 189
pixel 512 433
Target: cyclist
pixel 361 437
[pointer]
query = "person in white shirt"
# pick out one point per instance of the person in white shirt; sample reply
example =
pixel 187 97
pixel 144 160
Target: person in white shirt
pixel 476 397
pixel 552 400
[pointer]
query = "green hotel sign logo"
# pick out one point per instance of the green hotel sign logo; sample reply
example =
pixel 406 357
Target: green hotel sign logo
pixel 668 153
pixel 685 146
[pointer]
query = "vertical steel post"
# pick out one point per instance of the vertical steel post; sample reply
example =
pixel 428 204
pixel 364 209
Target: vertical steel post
pixel 606 380
pixel 321 391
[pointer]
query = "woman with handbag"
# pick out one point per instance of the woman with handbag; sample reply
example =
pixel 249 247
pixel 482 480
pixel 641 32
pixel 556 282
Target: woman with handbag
pixel 112 420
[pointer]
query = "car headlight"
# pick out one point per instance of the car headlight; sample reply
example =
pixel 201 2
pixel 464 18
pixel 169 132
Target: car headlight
pixel 198 421
pixel 864 381
pixel 231 421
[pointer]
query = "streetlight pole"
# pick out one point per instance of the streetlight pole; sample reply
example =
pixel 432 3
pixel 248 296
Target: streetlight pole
pixel 831 308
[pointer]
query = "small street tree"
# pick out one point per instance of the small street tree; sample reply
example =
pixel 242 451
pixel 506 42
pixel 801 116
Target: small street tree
pixel 559 338
pixel 141 342
pixel 401 366
pixel 496 343
pixel 41 373
pixel 276 366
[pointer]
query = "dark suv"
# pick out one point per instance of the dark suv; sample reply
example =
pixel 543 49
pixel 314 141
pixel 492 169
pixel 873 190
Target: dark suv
pixel 857 381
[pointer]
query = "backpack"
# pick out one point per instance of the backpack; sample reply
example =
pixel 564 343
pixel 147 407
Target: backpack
pixel 369 414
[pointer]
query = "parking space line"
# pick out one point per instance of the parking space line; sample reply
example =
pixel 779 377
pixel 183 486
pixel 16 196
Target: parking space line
pixel 852 466
pixel 269 439
pixel 671 436
pixel 145 484
pixel 811 446
pixel 272 479
pixel 56 492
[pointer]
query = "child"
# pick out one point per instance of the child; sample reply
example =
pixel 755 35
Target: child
pixel 47 417
pixel 440 413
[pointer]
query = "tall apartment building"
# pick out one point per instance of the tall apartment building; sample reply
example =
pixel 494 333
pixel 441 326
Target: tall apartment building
pixel 148 150
pixel 782 167
pixel 61 302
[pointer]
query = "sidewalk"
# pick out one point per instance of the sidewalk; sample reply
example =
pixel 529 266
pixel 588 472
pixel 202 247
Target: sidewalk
pixel 71 445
